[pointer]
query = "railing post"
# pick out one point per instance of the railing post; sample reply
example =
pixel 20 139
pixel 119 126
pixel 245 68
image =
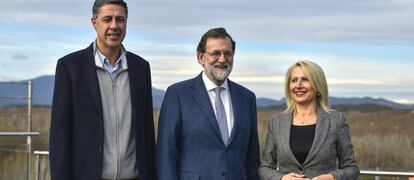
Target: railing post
pixel 377 177
pixel 38 154
pixel 37 166
pixel 29 127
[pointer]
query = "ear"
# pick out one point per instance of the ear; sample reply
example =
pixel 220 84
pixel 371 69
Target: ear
pixel 200 58
pixel 93 22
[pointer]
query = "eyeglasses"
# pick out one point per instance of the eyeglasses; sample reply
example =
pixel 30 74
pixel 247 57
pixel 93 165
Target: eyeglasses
pixel 217 54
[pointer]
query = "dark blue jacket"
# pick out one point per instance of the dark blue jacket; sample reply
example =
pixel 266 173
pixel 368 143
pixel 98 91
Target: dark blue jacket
pixel 189 141
pixel 77 133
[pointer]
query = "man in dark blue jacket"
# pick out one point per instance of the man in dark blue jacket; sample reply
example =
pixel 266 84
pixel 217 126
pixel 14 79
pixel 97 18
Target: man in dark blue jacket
pixel 102 119
pixel 207 126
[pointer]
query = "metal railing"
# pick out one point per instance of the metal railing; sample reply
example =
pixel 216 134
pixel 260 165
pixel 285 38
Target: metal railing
pixel 376 173
pixel 29 132
pixel 38 154
pixel 387 173
pixel 19 133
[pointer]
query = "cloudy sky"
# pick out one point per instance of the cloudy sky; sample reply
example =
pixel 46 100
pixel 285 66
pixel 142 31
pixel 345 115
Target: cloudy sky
pixel 365 47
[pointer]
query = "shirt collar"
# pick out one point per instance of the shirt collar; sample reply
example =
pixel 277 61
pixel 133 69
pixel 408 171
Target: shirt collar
pixel 100 58
pixel 210 85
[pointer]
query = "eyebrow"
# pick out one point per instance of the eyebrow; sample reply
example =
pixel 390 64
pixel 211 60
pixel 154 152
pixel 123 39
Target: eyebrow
pixel 292 77
pixel 117 16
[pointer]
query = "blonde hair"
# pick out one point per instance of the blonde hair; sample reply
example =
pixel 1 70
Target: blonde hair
pixel 317 79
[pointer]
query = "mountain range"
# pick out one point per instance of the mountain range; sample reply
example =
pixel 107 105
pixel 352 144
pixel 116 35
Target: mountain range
pixel 335 101
pixel 15 93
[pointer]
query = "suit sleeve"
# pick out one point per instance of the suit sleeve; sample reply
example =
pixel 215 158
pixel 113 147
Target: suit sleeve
pixel 347 167
pixel 168 133
pixel 268 166
pixel 253 153
pixel 60 146
pixel 149 125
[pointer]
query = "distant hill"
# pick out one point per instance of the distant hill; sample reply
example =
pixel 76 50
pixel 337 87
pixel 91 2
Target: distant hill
pixel 43 92
pixel 264 102
pixel 340 103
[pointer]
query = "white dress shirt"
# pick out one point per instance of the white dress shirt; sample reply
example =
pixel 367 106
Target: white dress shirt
pixel 225 97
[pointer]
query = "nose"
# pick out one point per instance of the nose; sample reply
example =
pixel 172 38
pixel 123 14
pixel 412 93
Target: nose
pixel 113 24
pixel 299 84
pixel 222 58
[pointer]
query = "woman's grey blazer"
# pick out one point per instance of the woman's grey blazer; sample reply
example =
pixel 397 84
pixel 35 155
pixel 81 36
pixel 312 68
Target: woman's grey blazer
pixel 331 151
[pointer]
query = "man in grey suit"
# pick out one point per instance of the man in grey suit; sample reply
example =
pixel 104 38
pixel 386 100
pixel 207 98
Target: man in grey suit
pixel 208 124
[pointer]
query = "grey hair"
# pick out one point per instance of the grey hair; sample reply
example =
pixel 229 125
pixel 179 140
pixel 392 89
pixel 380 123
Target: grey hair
pixel 99 3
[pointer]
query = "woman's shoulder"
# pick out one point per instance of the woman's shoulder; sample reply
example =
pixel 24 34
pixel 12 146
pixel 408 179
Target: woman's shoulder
pixel 335 114
pixel 337 118
pixel 279 117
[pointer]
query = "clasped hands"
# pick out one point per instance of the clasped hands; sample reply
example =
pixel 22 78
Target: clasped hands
pixel 294 176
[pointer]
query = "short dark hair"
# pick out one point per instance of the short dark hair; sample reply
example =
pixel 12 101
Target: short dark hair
pixel 99 3
pixel 214 33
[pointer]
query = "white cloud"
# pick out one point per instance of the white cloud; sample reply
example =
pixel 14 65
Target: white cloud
pixel 315 20
pixel 356 81
pixel 6 78
pixel 174 72
pixel 45 69
pixel 48 29
pixel 258 79
pixel 404 101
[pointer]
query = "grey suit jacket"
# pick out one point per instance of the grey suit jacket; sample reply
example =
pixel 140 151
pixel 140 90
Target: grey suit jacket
pixel 331 151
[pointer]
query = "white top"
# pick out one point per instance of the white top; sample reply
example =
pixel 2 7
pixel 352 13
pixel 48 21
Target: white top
pixel 225 97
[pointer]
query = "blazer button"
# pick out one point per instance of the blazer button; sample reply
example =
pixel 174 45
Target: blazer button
pixel 223 173
pixel 100 148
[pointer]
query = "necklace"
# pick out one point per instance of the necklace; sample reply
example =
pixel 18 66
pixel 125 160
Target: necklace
pixel 303 121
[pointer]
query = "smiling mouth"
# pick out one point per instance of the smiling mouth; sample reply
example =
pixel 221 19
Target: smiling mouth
pixel 300 93
pixel 221 66
pixel 114 35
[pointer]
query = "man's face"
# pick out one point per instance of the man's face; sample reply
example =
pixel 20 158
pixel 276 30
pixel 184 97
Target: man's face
pixel 218 59
pixel 110 26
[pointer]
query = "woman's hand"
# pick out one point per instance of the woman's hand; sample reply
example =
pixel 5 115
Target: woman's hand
pixel 324 177
pixel 294 176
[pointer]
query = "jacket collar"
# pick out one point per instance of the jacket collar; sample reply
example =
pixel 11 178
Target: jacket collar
pixel 322 127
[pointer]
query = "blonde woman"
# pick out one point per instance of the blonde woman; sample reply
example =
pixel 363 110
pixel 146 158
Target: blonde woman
pixel 308 140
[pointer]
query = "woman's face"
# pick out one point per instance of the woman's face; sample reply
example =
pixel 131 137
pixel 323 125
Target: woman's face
pixel 300 87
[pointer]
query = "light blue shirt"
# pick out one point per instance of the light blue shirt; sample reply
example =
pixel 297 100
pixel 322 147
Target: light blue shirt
pixel 112 70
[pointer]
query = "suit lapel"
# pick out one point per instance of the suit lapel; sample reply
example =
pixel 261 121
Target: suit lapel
pixel 92 78
pixel 286 125
pixel 203 100
pixel 237 106
pixel 322 126
pixel 136 75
